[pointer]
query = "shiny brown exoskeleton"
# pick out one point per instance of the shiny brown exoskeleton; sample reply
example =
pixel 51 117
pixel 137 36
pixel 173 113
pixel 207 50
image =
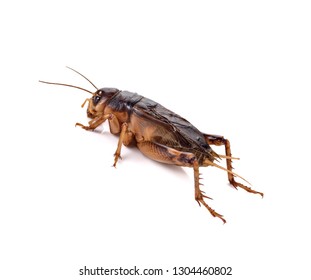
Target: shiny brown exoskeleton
pixel 159 133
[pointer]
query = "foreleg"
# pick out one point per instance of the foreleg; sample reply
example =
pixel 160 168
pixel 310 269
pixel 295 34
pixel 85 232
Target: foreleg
pixel 97 121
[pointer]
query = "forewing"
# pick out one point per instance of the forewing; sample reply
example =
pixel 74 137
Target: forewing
pixel 176 131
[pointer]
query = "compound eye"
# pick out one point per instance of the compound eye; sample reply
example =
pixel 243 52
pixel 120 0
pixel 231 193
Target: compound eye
pixel 96 99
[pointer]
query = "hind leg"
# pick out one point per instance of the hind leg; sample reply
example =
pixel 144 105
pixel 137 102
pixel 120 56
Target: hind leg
pixel 219 141
pixel 169 155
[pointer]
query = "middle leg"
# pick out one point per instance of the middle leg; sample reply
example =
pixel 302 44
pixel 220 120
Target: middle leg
pixel 125 138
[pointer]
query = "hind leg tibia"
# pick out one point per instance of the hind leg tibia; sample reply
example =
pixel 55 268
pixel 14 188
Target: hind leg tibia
pixel 199 195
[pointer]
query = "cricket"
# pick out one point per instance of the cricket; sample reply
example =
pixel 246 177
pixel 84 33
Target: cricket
pixel 159 133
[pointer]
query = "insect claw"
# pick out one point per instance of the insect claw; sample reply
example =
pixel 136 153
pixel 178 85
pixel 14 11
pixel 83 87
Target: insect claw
pixel 248 189
pixel 260 193
pixel 117 156
pixel 212 211
pixel 83 126
pixel 80 124
pixel 224 221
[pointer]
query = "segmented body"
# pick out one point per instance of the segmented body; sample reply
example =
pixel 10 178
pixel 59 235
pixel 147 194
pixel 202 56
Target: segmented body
pixel 155 123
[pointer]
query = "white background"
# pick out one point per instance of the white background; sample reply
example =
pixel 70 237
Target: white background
pixel 234 68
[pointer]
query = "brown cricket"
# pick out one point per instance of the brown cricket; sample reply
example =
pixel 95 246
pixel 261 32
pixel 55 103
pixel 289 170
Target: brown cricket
pixel 159 134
